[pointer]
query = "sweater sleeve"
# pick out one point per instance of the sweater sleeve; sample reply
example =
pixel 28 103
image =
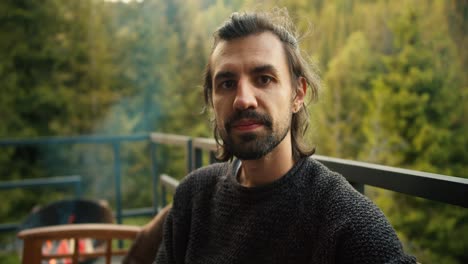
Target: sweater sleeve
pixel 165 248
pixel 369 238
pixel 366 236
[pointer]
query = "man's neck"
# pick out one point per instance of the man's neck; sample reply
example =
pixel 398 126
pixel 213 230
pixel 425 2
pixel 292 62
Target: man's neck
pixel 269 168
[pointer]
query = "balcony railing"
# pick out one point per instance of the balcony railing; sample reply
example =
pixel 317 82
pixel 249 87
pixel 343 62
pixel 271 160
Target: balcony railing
pixel 437 187
pixel 74 181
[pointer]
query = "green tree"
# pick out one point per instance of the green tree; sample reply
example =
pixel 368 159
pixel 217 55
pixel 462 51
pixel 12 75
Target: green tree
pixel 411 125
pixel 346 84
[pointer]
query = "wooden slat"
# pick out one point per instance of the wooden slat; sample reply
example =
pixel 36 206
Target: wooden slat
pixel 169 182
pixel 35 237
pixel 205 143
pixel 169 139
pixel 96 231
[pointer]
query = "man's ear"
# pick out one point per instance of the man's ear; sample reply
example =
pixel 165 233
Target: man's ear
pixel 299 97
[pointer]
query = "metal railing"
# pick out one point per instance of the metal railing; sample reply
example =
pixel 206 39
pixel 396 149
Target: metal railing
pixel 436 187
pixel 442 188
pixel 73 180
pixel 168 183
pixel 114 141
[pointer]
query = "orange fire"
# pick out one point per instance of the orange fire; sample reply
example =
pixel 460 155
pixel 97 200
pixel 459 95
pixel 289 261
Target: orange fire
pixel 66 246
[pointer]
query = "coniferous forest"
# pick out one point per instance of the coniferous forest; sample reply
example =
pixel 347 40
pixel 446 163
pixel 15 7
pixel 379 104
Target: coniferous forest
pixel 394 77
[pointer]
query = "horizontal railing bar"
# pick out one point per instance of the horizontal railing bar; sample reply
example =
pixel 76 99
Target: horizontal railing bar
pixel 72 140
pixel 61 180
pixel 145 211
pixel 442 188
pixel 9 227
pixel 169 182
pixel 169 139
pixel 205 143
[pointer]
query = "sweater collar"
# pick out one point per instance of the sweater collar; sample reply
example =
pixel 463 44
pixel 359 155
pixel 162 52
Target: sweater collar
pixel 236 165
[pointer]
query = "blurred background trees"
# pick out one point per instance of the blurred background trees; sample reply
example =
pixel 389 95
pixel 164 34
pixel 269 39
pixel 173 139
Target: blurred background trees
pixel 394 75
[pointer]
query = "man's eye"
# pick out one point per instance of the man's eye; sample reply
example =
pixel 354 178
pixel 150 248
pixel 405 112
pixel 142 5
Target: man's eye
pixel 264 80
pixel 229 84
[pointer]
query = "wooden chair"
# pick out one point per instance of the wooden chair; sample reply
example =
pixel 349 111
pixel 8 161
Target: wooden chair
pixel 35 238
pixel 79 230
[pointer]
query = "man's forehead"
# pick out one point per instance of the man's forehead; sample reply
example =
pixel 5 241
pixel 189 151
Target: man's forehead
pixel 256 49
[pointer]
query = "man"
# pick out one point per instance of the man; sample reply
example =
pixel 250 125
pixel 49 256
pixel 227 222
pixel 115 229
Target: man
pixel 269 202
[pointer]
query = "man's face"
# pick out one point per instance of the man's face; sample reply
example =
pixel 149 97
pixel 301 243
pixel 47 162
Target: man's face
pixel 252 94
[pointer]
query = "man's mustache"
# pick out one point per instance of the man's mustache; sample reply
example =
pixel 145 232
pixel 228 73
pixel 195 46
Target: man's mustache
pixel 263 119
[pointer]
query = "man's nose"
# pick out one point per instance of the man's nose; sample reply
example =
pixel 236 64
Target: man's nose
pixel 245 96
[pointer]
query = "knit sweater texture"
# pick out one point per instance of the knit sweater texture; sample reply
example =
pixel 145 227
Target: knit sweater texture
pixel 310 215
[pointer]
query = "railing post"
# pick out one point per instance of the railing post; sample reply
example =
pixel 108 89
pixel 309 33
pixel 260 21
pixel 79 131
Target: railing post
pixel 117 174
pixel 212 157
pixel 118 194
pixel 163 196
pixel 154 171
pixel 78 191
pixel 189 156
pixel 198 158
pixel 358 186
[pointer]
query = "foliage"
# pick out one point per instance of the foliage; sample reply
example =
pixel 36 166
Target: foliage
pixel 9 258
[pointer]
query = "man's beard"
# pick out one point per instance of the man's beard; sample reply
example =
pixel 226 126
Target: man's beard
pixel 253 145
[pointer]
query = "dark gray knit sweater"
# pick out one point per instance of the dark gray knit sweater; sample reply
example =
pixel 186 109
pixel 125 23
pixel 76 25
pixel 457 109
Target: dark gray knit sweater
pixel 311 215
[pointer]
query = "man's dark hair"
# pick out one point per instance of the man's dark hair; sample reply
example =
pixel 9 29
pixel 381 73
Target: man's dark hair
pixel 277 22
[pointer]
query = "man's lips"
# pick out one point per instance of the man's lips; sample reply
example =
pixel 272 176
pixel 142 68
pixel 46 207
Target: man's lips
pixel 246 125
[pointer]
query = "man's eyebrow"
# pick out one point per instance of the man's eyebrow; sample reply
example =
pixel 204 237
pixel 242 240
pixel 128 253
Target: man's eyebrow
pixel 224 75
pixel 256 70
pixel 265 68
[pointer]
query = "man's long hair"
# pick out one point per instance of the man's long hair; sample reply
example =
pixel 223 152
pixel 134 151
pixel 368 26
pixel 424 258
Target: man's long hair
pixel 278 22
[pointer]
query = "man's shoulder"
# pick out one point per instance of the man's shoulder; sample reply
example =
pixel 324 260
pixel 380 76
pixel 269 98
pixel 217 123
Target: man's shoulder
pixel 202 178
pixel 322 178
pixel 336 193
pixel 198 183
